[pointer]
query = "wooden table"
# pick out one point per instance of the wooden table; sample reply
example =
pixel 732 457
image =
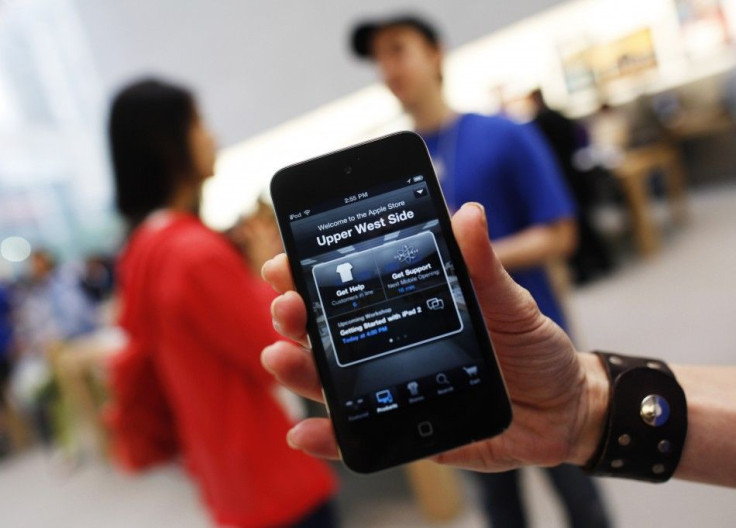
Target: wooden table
pixel 700 124
pixel 437 490
pixel 634 172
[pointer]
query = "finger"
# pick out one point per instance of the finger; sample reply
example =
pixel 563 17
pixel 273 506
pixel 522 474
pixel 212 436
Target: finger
pixel 490 456
pixel 277 273
pixel 474 457
pixel 290 317
pixel 293 367
pixel 315 437
pixel 507 307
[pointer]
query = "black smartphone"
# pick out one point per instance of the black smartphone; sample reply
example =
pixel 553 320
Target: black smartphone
pixel 402 351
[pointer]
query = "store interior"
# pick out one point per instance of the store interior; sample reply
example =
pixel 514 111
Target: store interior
pixel 651 83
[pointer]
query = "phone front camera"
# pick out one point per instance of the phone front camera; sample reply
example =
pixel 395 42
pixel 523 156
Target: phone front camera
pixel 348 169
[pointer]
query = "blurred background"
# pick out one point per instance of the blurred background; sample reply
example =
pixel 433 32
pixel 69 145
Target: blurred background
pixel 650 85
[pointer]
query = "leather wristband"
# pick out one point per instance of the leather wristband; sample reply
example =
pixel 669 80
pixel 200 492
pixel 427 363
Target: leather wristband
pixel 646 426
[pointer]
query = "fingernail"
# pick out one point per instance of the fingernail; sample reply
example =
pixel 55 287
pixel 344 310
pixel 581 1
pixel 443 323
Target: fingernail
pixel 482 210
pixel 277 326
pixel 290 436
pixel 263 269
pixel 273 306
pixel 265 359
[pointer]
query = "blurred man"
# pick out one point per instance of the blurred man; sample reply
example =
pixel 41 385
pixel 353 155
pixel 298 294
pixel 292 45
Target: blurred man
pixel 51 308
pixel 98 279
pixel 507 168
pixel 6 343
pixel 591 258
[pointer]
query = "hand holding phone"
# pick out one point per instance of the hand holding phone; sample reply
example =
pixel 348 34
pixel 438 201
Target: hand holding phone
pixel 557 393
pixel 398 338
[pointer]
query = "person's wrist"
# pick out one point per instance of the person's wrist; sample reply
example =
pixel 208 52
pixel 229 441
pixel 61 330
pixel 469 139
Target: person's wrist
pixel 593 410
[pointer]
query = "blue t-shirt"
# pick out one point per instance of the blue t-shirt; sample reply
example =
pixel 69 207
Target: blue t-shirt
pixel 509 169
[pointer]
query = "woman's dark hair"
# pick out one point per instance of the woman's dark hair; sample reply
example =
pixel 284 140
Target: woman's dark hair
pixel 149 142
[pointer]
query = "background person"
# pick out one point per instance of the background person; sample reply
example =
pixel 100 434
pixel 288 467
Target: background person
pixel 196 319
pixel 6 364
pixel 591 257
pixel 51 309
pixel 508 168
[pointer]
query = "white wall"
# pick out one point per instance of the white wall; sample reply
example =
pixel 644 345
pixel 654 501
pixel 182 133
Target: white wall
pixel 256 64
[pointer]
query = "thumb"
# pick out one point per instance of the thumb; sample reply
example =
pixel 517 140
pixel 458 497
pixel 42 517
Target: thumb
pixel 506 306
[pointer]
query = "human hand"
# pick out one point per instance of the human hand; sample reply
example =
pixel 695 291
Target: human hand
pixel 558 395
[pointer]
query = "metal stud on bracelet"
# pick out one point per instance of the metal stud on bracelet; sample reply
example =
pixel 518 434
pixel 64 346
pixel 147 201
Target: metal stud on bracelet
pixel 646 425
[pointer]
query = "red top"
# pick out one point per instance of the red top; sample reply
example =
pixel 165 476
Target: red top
pixel 200 319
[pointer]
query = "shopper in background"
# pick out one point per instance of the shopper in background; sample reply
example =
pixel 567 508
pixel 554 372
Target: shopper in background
pixel 610 134
pixel 591 257
pixel 97 280
pixel 196 320
pixel 51 309
pixel 6 363
pixel 52 305
pixel 508 168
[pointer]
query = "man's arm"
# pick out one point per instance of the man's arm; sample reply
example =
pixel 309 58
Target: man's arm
pixel 537 245
pixel 709 454
pixel 538 187
pixel 710 446
pixel 560 397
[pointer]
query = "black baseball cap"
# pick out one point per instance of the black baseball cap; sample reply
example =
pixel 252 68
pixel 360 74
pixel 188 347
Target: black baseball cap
pixel 363 32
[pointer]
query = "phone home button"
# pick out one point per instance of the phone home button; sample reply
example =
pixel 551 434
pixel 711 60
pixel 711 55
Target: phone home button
pixel 425 429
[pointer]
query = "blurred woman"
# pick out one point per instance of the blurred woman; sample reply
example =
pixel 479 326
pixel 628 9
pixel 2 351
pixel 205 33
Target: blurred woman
pixel 197 320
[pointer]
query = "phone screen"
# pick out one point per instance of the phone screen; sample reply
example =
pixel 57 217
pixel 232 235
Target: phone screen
pixel 384 293
pixel 403 353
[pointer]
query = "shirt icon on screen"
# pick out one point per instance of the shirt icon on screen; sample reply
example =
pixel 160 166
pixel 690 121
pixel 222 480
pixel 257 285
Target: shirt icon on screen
pixel 345 270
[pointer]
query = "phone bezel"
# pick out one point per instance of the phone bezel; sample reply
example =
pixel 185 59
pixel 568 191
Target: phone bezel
pixel 322 179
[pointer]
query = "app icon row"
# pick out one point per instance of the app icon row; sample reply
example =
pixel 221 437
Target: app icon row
pixel 413 392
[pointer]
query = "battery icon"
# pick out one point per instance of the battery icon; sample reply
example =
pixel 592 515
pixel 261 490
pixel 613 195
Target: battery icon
pixel 418 178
